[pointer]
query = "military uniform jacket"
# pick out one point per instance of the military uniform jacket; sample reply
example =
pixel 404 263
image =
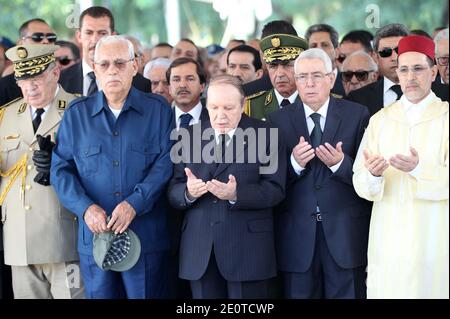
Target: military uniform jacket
pixel 36 228
pixel 259 105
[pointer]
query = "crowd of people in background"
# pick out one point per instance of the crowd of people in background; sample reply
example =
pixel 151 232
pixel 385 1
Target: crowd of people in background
pixel 356 208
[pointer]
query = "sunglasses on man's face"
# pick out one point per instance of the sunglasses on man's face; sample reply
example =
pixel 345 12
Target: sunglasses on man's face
pixel 387 52
pixel 63 60
pixel 39 36
pixel 360 75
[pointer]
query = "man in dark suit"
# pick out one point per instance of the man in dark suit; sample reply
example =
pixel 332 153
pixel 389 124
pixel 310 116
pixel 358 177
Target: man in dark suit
pixel 95 22
pixel 34 31
pixel 325 37
pixel 227 242
pixel 186 79
pixel 322 227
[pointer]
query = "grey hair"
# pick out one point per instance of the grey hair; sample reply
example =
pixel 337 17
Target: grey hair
pixel 164 62
pixel 441 35
pixel 226 79
pixel 114 39
pixel 372 64
pixel 315 53
pixel 389 30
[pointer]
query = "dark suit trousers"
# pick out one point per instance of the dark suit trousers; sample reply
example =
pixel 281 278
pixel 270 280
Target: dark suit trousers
pixel 325 279
pixel 213 286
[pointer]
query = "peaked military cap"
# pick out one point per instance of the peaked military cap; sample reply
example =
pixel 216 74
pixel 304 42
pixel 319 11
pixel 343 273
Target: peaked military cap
pixel 31 60
pixel 282 47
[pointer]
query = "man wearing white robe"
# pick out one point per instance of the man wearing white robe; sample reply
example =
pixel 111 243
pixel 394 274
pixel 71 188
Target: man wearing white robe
pixel 403 166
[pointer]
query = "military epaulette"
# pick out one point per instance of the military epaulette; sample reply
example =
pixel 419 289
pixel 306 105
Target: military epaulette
pixel 255 95
pixel 336 96
pixel 9 103
pixel 268 100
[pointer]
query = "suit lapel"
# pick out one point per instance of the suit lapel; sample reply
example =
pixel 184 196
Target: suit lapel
pixel 379 96
pixel 298 121
pixel 52 118
pixel 236 150
pixel 332 122
pixel 25 124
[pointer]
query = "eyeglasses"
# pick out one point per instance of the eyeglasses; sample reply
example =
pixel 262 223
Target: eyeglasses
pixel 64 60
pixel 347 76
pixel 119 64
pixel 315 77
pixel 416 70
pixel 341 58
pixel 442 61
pixel 387 52
pixel 39 36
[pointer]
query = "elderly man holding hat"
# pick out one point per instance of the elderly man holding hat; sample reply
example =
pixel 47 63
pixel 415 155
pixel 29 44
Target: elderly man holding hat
pixel 39 233
pixel 279 54
pixel 402 166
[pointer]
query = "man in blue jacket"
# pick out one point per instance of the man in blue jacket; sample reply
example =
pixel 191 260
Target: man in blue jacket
pixel 112 160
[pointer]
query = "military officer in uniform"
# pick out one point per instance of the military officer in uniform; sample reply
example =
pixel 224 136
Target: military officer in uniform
pixel 39 234
pixel 279 53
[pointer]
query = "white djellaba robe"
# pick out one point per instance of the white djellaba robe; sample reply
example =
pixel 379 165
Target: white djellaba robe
pixel 408 253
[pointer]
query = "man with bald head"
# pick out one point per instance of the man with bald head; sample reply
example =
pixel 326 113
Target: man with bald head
pixel 358 70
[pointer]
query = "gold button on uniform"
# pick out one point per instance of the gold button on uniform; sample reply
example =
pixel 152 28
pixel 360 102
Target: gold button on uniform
pixel 27 207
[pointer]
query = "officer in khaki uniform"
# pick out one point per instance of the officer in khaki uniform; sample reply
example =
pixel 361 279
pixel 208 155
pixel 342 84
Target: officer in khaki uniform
pixel 279 54
pixel 39 235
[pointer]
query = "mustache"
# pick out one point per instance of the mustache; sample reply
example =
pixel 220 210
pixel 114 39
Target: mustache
pixel 183 91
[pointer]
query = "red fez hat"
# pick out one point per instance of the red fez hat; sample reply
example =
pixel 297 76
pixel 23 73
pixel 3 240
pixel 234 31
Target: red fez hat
pixel 416 43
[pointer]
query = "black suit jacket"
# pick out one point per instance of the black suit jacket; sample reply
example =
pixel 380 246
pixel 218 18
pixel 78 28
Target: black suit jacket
pixel 8 89
pixel 242 234
pixel 71 80
pixel 338 87
pixel 345 216
pixel 262 84
pixel 372 95
pixel 175 216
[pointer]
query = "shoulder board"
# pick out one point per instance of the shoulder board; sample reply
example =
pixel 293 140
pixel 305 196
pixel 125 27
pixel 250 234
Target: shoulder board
pixel 336 96
pixel 255 95
pixel 10 102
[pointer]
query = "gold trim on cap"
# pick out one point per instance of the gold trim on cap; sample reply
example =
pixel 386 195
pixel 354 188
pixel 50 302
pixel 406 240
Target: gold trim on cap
pixel 281 54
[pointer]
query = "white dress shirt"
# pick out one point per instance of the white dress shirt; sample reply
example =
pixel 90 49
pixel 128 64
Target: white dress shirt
pixel 195 112
pixel 389 96
pixel 280 98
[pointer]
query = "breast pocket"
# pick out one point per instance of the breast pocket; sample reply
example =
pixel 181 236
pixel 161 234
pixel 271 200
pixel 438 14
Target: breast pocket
pixel 145 154
pixel 88 159
pixel 9 153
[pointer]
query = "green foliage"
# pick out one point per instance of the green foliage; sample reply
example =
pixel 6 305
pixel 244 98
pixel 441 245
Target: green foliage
pixel 145 18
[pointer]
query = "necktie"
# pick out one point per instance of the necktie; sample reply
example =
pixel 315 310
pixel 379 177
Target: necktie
pixel 398 90
pixel 285 102
pixel 223 139
pixel 185 119
pixel 93 85
pixel 316 134
pixel 37 119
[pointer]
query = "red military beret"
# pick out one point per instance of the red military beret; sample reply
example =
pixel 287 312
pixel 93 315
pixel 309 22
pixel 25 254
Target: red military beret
pixel 416 43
